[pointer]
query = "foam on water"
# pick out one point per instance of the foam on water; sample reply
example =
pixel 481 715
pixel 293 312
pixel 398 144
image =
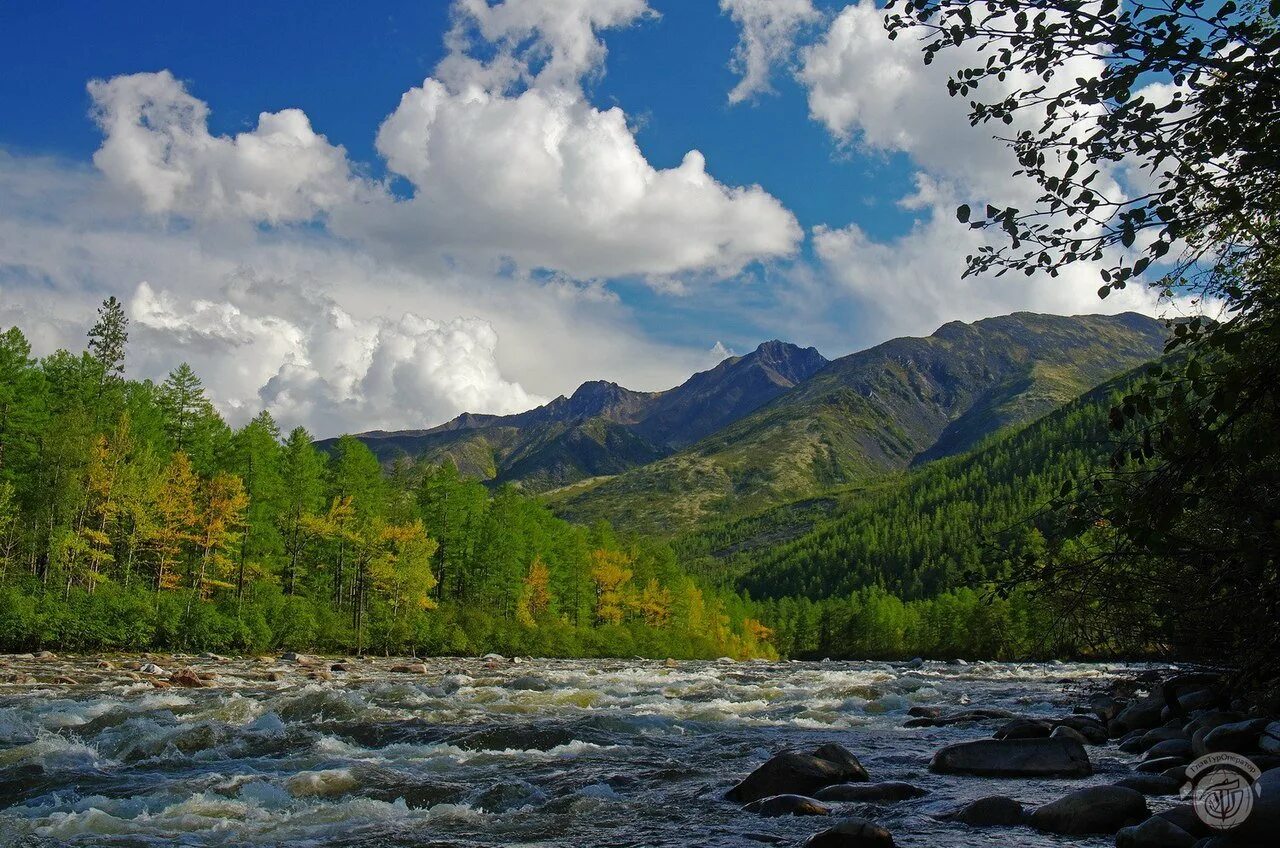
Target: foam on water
pixel 575 753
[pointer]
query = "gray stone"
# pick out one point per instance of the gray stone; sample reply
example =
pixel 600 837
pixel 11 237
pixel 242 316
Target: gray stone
pixel 1169 748
pixel 787 805
pixel 1270 739
pixel 1090 728
pixel 1064 732
pixel 1151 784
pixel 992 811
pixel 852 833
pixel 1239 737
pixel 1161 734
pixel 869 792
pixel 1160 765
pixel 1263 823
pixel 1014 758
pixel 1155 832
pixel 796 773
pixel 1185 818
pixel 1024 728
pixel 917 662
pixel 1140 715
pixel 1096 809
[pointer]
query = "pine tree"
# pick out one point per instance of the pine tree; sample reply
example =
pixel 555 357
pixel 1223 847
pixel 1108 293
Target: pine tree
pixel 108 337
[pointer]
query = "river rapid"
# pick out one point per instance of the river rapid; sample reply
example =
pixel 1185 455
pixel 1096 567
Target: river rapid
pixel 469 753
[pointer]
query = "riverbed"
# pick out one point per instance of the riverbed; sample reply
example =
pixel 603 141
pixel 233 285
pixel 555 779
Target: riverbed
pixel 474 753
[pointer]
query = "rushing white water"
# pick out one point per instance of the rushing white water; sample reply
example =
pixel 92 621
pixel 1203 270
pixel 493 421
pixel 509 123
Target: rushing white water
pixel 545 752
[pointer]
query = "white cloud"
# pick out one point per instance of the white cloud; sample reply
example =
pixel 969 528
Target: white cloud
pixel 157 144
pixel 322 365
pixel 768 34
pixel 876 95
pixel 246 305
pixel 508 161
pixel 913 284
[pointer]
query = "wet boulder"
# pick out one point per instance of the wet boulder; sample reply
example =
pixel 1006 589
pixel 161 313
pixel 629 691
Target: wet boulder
pixel 1151 784
pixel 1014 758
pixel 187 678
pixel 793 772
pixel 869 792
pixel 1160 765
pixel 1140 715
pixel 992 811
pixel 1263 823
pixel 1105 707
pixel 1169 748
pixel 1096 809
pixel 1155 832
pixel 851 833
pixel 787 805
pixel 1091 729
pixel 151 668
pixel 1024 728
pixel 1269 740
pixel 1239 737
pixel 1160 734
pixel 409 668
pixel 1064 732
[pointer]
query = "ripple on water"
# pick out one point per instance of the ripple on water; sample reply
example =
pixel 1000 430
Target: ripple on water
pixel 577 753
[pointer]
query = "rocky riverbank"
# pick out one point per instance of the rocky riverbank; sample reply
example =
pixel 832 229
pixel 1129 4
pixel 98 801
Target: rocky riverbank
pixel 1177 729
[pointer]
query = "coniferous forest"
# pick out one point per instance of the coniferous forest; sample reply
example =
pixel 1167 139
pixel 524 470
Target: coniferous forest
pixel 132 516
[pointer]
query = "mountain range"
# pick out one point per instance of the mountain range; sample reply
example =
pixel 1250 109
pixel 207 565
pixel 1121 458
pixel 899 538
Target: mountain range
pixel 783 422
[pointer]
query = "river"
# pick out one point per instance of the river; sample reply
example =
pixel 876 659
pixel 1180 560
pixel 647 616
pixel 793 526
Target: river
pixel 540 753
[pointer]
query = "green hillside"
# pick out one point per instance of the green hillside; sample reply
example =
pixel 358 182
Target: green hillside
pixel 879 411
pixel 920 533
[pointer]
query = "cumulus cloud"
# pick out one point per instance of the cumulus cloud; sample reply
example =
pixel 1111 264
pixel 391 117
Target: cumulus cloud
pixel 508 161
pixel 768 31
pixel 319 330
pixel 322 365
pixel 877 96
pixel 157 145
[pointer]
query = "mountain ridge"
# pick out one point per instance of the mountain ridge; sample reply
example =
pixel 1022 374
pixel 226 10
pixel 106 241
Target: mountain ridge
pixel 602 428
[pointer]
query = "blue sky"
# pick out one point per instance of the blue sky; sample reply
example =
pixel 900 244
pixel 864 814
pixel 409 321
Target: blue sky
pixel 429 258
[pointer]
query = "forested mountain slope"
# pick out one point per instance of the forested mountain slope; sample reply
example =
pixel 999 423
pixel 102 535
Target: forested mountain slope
pixel 882 410
pixel 603 429
pixel 921 532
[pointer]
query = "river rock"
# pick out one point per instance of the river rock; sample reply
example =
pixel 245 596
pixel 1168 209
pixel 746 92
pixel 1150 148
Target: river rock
pixel 915 662
pixel 1263 823
pixel 1064 732
pixel 1270 739
pixel 851 833
pixel 1095 809
pixel 64 680
pixel 188 678
pixel 792 772
pixel 1091 729
pixel 1184 817
pixel 992 811
pixel 1024 728
pixel 1014 758
pixel 965 717
pixel 409 668
pixel 1239 737
pixel 1160 765
pixel 1151 784
pixel 1105 707
pixel 1161 734
pixel 1155 832
pixel 1200 699
pixel 44 655
pixel 921 711
pixel 528 684
pixel 151 668
pixel 787 805
pixel 1169 748
pixel 869 792
pixel 1140 715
